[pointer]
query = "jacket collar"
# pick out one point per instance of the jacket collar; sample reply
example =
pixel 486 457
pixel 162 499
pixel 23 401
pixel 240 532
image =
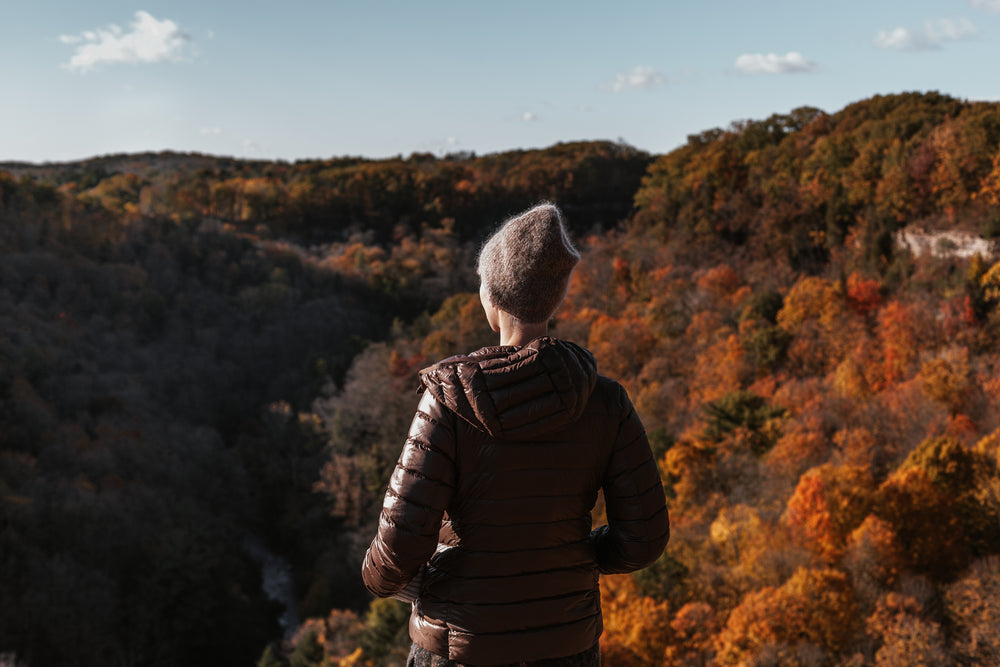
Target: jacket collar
pixel 516 392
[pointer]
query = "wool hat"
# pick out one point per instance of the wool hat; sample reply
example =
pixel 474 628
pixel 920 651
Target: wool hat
pixel 525 266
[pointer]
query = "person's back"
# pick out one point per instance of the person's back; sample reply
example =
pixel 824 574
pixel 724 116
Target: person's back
pixel 492 497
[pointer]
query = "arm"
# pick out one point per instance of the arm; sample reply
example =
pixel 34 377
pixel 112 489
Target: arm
pixel 638 525
pixel 419 490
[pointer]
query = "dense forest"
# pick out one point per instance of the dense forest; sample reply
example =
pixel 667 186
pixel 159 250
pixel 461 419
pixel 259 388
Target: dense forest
pixel 205 359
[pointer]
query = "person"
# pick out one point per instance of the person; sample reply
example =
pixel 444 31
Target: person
pixel 486 522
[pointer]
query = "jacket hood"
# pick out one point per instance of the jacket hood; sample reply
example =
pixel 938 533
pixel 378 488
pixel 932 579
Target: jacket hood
pixel 516 392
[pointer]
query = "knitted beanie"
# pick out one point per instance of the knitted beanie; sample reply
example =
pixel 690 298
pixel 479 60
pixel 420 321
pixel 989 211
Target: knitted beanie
pixel 527 263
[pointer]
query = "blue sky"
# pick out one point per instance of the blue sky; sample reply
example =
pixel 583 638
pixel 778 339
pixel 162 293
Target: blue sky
pixel 293 79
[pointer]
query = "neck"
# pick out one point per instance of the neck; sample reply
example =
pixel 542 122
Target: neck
pixel 516 332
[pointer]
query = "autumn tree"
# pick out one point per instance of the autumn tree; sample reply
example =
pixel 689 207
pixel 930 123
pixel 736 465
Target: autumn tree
pixel 897 334
pixel 908 636
pixel 636 627
pixel 947 379
pixel 829 503
pixel 925 520
pixel 823 329
pixel 693 627
pixel 973 607
pixel 873 558
pixel 964 476
pixel 814 609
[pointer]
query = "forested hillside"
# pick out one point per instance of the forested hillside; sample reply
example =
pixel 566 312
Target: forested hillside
pixel 198 352
pixel 166 323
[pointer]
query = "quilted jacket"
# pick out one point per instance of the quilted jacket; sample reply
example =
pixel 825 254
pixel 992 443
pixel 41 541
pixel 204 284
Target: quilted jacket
pixel 490 504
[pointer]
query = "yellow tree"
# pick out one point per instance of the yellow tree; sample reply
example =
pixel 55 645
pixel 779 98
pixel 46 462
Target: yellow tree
pixel 989 187
pixel 814 607
pixel 858 376
pixel 947 378
pixel 991 283
pixel 693 629
pixel 816 315
pixel 636 627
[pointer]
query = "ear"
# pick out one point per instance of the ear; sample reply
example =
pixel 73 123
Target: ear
pixel 491 311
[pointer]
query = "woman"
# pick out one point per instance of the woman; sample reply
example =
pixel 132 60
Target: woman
pixel 488 513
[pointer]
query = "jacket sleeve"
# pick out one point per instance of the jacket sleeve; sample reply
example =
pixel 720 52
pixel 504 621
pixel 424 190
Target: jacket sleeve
pixel 638 524
pixel 420 489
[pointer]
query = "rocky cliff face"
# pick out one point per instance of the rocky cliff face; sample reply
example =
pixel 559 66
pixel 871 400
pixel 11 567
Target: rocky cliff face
pixel 950 243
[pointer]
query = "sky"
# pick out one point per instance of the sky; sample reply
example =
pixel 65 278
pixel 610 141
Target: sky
pixel 297 79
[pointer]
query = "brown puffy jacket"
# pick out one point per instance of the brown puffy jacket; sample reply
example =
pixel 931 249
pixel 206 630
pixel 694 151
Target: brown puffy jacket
pixel 494 491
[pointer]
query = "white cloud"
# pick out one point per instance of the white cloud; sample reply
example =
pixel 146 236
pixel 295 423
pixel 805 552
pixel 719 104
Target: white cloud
pixel 933 35
pixel 148 41
pixel 529 116
pixel 902 39
pixel 988 5
pixel 772 63
pixel 950 30
pixel 642 77
pixel 209 131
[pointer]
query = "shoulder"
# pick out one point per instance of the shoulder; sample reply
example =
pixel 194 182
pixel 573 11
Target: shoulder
pixel 612 396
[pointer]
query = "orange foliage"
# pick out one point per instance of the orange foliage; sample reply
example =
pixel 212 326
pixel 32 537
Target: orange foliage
pixel 961 427
pixel 694 627
pixel 808 300
pixel 973 605
pixel 990 282
pixel 688 469
pixel 814 606
pixel 723 285
pixel 621 345
pixel 873 552
pixel 989 190
pixel 858 447
pixel 858 376
pixel 636 627
pixel 948 378
pixel 907 636
pixel 735 529
pixel 864 295
pixel 828 504
pixel 990 446
pixel 457 328
pixel 337 635
pixel 658 392
pixel 342 479
pixel 705 328
pixel 899 341
pixel 803 444
pixel 718 370
pixel 824 329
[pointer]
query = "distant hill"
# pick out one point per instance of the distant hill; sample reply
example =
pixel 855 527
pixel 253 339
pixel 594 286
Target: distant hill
pixel 802 184
pixel 328 199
